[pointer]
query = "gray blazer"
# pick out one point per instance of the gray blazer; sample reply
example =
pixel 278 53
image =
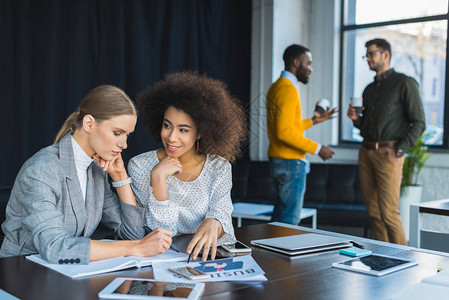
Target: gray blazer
pixel 46 212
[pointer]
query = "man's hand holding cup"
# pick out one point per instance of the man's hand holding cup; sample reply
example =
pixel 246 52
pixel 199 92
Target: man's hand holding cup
pixel 322 112
pixel 355 108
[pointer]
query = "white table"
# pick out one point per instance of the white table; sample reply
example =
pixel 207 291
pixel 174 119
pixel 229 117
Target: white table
pixel 429 239
pixel 254 211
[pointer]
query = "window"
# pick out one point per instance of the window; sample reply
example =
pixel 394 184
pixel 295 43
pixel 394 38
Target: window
pixel 417 31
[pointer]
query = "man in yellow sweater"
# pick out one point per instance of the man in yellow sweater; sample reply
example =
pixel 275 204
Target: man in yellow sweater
pixel 288 146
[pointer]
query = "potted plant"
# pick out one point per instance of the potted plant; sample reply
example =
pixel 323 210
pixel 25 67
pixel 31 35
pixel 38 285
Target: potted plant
pixel 411 192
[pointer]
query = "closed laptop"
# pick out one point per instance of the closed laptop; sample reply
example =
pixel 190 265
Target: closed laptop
pixel 302 243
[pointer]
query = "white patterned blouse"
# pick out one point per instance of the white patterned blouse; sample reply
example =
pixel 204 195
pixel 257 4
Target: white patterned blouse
pixel 189 203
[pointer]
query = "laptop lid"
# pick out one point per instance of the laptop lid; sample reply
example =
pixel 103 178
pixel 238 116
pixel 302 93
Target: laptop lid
pixel 301 242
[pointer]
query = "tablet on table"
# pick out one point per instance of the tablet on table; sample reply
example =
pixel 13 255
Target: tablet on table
pixel 141 288
pixel 375 264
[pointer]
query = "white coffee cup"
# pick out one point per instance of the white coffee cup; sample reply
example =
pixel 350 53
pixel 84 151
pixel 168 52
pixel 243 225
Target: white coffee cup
pixel 357 103
pixel 321 107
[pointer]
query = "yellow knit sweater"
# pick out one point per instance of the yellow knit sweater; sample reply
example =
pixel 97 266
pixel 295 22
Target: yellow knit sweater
pixel 285 124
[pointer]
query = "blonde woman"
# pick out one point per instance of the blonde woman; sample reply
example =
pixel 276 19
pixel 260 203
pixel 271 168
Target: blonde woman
pixel 62 192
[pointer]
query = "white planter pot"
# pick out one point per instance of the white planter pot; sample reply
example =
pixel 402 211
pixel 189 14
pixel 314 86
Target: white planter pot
pixel 411 195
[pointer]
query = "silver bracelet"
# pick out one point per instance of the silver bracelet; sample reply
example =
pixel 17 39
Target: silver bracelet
pixel 120 183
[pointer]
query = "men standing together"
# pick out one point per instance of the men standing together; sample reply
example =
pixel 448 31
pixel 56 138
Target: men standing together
pixel 391 123
pixel 288 146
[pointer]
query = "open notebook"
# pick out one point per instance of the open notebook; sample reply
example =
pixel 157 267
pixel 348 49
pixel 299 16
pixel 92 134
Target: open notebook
pixel 108 265
pixel 302 243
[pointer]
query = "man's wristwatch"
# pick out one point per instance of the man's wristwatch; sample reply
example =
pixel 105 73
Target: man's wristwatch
pixel 399 153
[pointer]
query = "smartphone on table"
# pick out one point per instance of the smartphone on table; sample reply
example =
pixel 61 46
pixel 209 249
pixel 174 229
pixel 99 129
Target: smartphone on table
pixel 190 273
pixel 238 247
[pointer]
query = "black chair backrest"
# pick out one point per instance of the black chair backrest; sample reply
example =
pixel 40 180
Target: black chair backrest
pixel 259 181
pixel 251 182
pixel 329 184
pixel 5 192
pixel 240 171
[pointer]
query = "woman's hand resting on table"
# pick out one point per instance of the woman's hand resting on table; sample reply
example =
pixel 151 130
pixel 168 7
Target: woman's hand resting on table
pixel 205 238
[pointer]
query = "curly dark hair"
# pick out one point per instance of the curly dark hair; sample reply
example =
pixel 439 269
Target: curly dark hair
pixel 219 117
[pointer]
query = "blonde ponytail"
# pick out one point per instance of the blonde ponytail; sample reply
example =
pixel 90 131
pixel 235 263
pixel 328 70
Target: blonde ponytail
pixel 68 126
pixel 103 103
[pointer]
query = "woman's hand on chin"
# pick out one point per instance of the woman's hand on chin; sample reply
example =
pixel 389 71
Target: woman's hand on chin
pixel 115 168
pixel 205 238
pixel 167 166
pixel 102 163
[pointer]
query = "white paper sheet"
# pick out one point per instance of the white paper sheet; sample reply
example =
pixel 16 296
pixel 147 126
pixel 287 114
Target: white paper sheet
pixel 108 265
pixel 238 268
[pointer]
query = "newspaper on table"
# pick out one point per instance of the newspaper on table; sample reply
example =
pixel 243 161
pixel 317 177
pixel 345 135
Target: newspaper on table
pixel 238 268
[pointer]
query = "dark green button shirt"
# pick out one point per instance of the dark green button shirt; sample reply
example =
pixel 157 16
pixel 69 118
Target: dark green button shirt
pixel 393 110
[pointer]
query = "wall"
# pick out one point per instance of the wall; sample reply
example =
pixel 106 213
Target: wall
pixel 261 74
pixel 314 23
pixel 289 25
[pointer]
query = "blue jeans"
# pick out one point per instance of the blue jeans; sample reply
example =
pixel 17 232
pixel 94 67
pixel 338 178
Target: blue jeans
pixel 288 178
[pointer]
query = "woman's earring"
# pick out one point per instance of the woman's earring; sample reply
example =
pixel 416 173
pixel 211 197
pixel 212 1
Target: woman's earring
pixel 197 145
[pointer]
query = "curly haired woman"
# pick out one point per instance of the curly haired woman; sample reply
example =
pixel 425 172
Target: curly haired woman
pixel 186 186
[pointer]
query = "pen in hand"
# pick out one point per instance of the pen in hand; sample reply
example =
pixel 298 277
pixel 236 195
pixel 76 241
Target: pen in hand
pixel 148 230
pixel 190 255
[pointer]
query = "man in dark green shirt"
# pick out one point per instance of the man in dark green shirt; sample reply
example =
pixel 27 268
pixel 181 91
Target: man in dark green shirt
pixel 392 122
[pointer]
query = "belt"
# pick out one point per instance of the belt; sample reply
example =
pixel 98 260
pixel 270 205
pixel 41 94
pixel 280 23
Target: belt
pixel 377 145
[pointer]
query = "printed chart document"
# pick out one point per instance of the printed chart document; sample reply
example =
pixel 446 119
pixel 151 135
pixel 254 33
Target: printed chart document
pixel 239 268
pixel 110 264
